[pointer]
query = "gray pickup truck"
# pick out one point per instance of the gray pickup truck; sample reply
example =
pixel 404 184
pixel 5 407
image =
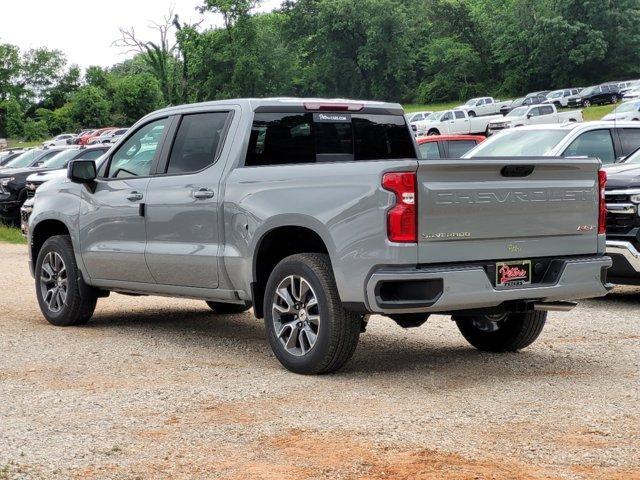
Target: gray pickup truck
pixel 317 213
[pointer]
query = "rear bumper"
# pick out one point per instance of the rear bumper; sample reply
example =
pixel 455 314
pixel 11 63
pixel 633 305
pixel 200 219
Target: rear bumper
pixel 626 262
pixel 448 289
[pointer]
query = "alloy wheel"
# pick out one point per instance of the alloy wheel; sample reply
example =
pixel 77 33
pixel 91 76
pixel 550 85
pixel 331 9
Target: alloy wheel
pixel 53 281
pixel 296 316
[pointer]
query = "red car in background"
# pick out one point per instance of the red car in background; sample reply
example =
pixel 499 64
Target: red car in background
pixel 84 140
pixel 447 146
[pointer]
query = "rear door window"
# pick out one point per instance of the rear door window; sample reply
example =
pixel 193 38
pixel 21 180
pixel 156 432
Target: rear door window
pixel 290 138
pixel 459 114
pixel 629 139
pixel 457 148
pixel 546 110
pixel 595 144
pixel 429 150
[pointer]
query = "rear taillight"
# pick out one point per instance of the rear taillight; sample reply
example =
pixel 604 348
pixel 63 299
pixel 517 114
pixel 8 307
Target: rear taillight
pixel 602 208
pixel 402 223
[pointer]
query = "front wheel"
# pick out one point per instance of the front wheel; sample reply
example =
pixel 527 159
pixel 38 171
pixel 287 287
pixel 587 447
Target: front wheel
pixel 308 329
pixel 586 103
pixel 472 113
pixel 502 333
pixel 64 298
pixel 433 132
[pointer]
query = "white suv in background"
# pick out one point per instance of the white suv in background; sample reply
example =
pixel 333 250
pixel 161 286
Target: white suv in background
pixel 59 141
pixel 560 97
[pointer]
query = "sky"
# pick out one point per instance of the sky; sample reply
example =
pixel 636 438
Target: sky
pixel 85 29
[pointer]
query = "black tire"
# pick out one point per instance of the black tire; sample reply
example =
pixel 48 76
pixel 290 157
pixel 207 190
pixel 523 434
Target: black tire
pixel 81 299
pixel 513 332
pixel 586 103
pixel 228 308
pixel 432 132
pixel 472 113
pixel 338 330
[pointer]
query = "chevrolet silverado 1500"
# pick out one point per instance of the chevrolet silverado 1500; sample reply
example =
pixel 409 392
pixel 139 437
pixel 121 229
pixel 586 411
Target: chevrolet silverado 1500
pixel 317 213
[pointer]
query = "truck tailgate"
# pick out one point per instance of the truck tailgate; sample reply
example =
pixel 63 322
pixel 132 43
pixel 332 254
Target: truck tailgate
pixel 502 208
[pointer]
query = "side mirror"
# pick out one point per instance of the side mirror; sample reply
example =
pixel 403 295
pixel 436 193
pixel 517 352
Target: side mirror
pixel 82 171
pixel 529 115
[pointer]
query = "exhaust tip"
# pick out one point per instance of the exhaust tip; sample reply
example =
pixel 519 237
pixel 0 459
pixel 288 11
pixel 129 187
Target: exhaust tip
pixel 554 306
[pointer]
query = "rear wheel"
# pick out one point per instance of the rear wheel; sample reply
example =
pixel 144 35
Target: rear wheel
pixel 432 132
pixel 308 329
pixel 614 99
pixel 586 103
pixel 64 298
pixel 502 333
pixel 472 113
pixel 228 308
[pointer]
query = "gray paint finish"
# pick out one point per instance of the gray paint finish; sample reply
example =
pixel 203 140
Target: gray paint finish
pixel 205 248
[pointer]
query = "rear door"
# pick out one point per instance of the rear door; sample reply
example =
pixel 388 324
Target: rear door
pixel 183 237
pixel 461 123
pixel 492 209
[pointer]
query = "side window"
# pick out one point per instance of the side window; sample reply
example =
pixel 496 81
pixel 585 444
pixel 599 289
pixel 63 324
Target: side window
pixel 429 150
pixel 480 102
pixel 596 143
pixel 459 114
pixel 604 89
pixel 457 148
pixel 196 142
pixel 447 116
pixel 630 139
pixel 546 110
pixel 135 156
pixel 488 101
pixel 280 139
pixel 534 112
pixel 91 154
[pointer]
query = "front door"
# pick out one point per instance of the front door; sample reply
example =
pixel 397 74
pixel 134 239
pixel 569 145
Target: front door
pixel 112 223
pixel 183 238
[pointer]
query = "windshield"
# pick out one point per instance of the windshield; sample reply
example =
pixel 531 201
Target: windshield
pixel 517 112
pixel 61 159
pixel 633 158
pixel 556 94
pixel 472 102
pixel 434 117
pixel 519 143
pixel 627 107
pixel 24 160
pixel 587 91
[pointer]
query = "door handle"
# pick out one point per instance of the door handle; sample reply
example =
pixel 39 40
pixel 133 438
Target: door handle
pixel 203 194
pixel 134 196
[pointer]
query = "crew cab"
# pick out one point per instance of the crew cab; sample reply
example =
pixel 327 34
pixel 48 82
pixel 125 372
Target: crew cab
pixel 455 122
pixel 317 213
pixel 534 115
pixel 477 107
pixel 607 141
pixel 623 220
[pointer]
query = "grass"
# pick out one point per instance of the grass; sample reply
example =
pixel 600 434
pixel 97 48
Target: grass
pixel 17 143
pixel 11 235
pixel 591 113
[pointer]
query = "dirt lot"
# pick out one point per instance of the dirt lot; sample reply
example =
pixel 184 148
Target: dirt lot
pixel 162 388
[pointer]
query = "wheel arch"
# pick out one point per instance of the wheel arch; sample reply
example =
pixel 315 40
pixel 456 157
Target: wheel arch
pixel 42 231
pixel 278 242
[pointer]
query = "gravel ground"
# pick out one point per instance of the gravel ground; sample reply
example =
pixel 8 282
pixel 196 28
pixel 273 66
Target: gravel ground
pixel 162 388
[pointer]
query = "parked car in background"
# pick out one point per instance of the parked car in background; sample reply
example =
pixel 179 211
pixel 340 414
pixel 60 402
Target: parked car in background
pixel 623 220
pixel 109 137
pixel 417 116
pixel 455 122
pixel 560 98
pixel 627 85
pixel 534 115
pixel 596 95
pixel 82 137
pixel 317 213
pixel 8 155
pixel 625 111
pixel 3 143
pixel 531 99
pixel 631 94
pixel 478 107
pixel 60 140
pixel 86 139
pixel 103 136
pixel 13 180
pixel 607 141
pixel 446 146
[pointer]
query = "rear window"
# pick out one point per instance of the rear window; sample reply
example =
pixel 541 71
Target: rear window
pixel 630 139
pixel 457 148
pixel 289 138
pixel 429 150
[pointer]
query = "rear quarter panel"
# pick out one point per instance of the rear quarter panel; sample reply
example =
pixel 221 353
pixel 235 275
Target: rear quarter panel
pixel 343 203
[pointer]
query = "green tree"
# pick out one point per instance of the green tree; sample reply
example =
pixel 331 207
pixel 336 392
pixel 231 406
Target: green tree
pixel 10 68
pixel 133 97
pixel 89 108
